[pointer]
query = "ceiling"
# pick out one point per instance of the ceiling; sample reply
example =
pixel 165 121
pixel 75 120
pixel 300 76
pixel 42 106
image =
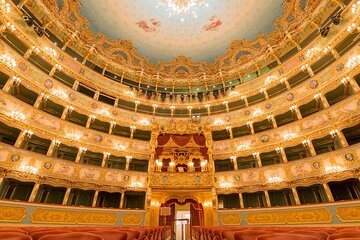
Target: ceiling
pixel 160 37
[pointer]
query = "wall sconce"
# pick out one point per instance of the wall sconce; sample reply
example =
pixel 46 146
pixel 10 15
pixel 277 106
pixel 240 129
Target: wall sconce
pixel 60 94
pixel 28 169
pixel 82 149
pixel 275 179
pixel 289 136
pixel 306 142
pixel 9 61
pixel 50 51
pixel 207 204
pixel 334 133
pixel 242 147
pixel 334 169
pixel 155 204
pixel 120 147
pixel 270 79
pixel 225 185
pixel 218 122
pixel 27 134
pixel 73 136
pixel 353 62
pixel 144 122
pixel 58 67
pixel 233 159
pixel 136 184
pixel 104 112
pixel 92 117
pixel 107 155
pixel 56 143
pixel 304 67
pixel 19 116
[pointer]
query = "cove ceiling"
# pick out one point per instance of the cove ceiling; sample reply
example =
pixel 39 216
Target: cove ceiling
pixel 160 37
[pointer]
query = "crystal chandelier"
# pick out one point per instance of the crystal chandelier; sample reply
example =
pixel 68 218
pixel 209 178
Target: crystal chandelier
pixel 182 7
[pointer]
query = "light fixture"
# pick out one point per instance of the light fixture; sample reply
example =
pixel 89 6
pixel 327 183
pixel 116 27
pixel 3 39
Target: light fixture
pixel 225 185
pixel 60 94
pixel 9 61
pixel 73 136
pixel 356 7
pixel 275 179
pixel 270 79
pixel 207 204
pixel 104 112
pixel 136 184
pixel 334 169
pixel 257 113
pixel 353 62
pixel 306 142
pixel 312 52
pixel 324 31
pixel 35 49
pixel 19 116
pixel 16 81
pixel 5 7
pixel 56 142
pixel 353 28
pixel 218 122
pixel 345 80
pixel 233 94
pixel 120 147
pixel 304 67
pixel 289 136
pixel 242 147
pixel 50 51
pixel 92 117
pixel 155 203
pixel 82 149
pixel 58 66
pixel 144 122
pixel 182 7
pixel 28 134
pixel 28 169
pixel 334 133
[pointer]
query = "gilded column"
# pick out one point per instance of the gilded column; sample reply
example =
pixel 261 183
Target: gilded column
pixel 321 98
pixel 95 198
pixel 79 154
pixel 76 85
pixel 296 196
pixel 256 156
pixel 267 198
pixel 280 151
pixel 244 98
pixel 251 127
pixel 328 192
pixel 41 98
pixel 128 160
pixel 66 196
pixel 24 136
pixel 34 192
pixel 122 199
pixel 241 200
pixel 52 148
pixel 234 162
pixel 106 156
pixel 272 120
pixel 153 144
pixel 297 112
pixel 309 147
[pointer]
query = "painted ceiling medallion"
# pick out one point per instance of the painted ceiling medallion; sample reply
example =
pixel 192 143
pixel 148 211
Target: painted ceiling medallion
pixel 182 7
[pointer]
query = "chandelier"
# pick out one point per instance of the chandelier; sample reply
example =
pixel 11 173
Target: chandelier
pixel 182 7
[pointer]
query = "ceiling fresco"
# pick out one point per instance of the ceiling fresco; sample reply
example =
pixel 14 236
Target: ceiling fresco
pixel 158 36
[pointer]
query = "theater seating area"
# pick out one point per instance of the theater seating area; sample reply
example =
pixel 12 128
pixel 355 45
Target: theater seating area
pixel 84 233
pixel 276 233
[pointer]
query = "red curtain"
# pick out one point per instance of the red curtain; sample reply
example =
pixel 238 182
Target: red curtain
pixel 181 140
pixel 197 214
pixel 199 139
pixel 163 139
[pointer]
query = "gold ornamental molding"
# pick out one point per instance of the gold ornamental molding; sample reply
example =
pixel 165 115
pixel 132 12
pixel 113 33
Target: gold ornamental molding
pixel 319 215
pixel 348 214
pixel 43 215
pixel 131 219
pixel 230 219
pixel 12 214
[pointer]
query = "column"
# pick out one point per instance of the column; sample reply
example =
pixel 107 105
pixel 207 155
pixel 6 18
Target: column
pixel 272 120
pixel 321 98
pixel 288 35
pixel 90 120
pixel 328 192
pixel 105 158
pixel 286 82
pixel 79 154
pixel 95 198
pixel 244 98
pixel 309 147
pixel 297 112
pixel 67 110
pixel 66 196
pixel 274 55
pixel 354 85
pixel 267 198
pixel 112 125
pixel 13 81
pixel 34 192
pixel 190 110
pixel 241 200
pixel 128 160
pixel 24 136
pixel 96 95
pixel 251 127
pixel 280 151
pixel 41 98
pixel 53 145
pixel 22 3
pixel 264 91
pixel 339 136
pixel 256 156
pixel 307 68
pixel 122 199
pixel 207 106
pixel 116 102
pixel 132 131
pixel 226 104
pixel 2 176
pixel 229 130
pixel 234 162
pixel 296 195
pixel 76 85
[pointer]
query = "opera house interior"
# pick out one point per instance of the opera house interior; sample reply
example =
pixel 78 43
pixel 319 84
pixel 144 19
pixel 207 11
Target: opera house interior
pixel 179 120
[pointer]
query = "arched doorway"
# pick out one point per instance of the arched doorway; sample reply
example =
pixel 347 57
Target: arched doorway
pixel 195 209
